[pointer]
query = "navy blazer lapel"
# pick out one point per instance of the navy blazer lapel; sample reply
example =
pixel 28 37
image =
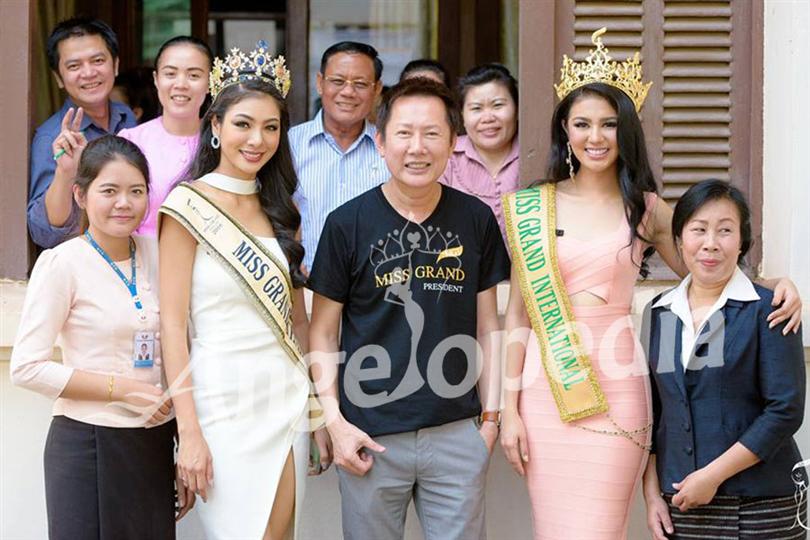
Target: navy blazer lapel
pixel 731 312
pixel 678 372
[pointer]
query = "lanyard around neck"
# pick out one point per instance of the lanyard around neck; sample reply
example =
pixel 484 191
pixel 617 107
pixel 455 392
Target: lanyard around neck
pixel 131 283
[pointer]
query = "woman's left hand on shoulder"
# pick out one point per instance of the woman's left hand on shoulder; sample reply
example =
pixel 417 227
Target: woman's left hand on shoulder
pixel 697 489
pixel 786 294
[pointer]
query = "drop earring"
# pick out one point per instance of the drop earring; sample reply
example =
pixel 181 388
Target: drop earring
pixel 570 161
pixel 215 141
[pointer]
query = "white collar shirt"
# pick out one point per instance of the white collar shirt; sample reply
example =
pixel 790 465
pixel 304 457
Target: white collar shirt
pixel 739 287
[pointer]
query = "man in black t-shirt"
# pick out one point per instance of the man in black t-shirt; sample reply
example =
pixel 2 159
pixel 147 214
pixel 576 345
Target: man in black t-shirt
pixel 403 319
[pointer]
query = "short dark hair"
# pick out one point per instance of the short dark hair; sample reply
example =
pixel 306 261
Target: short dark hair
pixel 418 86
pixel 488 73
pixel 425 64
pixel 707 191
pixel 197 43
pixel 353 47
pixel 78 27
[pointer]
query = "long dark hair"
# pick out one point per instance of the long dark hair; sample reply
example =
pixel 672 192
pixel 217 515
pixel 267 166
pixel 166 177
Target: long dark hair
pixel 633 166
pixel 277 177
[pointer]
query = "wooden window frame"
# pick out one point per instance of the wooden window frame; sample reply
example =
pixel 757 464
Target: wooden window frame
pixel 16 21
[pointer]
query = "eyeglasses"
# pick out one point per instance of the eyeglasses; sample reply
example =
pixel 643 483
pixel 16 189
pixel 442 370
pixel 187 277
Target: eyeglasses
pixel 339 83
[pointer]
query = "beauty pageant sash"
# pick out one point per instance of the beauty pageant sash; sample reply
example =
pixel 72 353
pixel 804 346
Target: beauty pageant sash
pixel 531 232
pixel 262 277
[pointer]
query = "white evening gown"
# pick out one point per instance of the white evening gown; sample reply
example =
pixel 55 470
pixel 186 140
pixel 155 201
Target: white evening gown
pixel 251 402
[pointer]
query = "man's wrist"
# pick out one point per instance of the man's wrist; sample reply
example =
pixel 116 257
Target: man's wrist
pixel 490 416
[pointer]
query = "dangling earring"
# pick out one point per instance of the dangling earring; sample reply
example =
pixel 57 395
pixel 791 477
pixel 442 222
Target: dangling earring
pixel 214 141
pixel 570 161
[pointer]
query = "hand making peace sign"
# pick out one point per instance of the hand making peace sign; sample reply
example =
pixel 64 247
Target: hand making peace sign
pixel 69 144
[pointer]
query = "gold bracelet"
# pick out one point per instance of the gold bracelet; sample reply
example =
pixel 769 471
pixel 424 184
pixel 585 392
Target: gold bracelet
pixel 110 385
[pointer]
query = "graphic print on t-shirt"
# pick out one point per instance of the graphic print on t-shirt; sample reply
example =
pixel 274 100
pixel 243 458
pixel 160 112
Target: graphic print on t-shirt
pixel 416 256
pixel 427 255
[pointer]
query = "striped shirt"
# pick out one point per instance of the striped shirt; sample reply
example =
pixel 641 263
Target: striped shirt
pixel 329 177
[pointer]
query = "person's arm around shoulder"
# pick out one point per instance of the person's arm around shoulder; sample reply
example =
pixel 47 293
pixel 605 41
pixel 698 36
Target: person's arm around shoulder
pixel 787 304
pixel 659 232
pixel 518 329
pixel 177 250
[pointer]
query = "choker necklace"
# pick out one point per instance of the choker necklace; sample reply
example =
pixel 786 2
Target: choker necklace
pixel 231 185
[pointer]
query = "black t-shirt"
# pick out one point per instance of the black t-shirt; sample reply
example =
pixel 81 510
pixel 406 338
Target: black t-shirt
pixel 409 294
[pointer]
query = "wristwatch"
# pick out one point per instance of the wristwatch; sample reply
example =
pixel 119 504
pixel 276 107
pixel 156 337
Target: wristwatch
pixel 490 416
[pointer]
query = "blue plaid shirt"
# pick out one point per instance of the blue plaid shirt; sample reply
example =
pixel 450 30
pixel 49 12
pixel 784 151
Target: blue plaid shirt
pixel 329 177
pixel 43 168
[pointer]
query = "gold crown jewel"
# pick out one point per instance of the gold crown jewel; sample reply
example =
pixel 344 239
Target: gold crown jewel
pixel 599 67
pixel 238 67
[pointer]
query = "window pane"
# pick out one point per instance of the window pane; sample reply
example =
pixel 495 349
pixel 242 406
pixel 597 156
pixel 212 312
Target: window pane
pixel 163 19
pixel 400 30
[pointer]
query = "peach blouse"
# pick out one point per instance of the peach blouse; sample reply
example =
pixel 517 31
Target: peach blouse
pixel 76 300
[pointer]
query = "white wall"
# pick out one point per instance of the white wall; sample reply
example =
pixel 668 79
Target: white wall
pixel 786 177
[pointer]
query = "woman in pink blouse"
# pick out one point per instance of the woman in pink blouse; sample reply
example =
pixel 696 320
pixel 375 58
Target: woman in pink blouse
pixel 106 474
pixel 170 140
pixel 485 160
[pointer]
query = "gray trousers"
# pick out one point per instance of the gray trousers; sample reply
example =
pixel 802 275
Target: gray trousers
pixel 443 468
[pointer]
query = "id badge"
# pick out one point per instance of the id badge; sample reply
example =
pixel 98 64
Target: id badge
pixel 143 350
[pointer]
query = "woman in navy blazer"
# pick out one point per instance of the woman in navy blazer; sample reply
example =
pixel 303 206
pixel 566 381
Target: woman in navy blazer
pixel 728 391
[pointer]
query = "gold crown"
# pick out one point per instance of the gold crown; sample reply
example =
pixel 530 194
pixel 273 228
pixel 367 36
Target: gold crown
pixel 238 67
pixel 600 67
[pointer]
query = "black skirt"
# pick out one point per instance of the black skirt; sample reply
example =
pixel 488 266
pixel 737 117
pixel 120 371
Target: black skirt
pixel 103 482
pixel 741 518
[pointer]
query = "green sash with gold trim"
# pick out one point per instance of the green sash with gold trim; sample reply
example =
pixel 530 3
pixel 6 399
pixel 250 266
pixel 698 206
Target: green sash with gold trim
pixel 262 277
pixel 531 232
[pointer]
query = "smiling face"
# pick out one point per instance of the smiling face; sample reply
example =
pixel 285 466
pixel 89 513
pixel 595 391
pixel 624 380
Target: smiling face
pixel 347 105
pixel 116 201
pixel 710 243
pixel 418 140
pixel 490 116
pixel 87 70
pixel 249 135
pixel 592 127
pixel 181 80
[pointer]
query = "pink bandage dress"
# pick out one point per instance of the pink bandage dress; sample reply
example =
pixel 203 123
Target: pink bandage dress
pixel 582 483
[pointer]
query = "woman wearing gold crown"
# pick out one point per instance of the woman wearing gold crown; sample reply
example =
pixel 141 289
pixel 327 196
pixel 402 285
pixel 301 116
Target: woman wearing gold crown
pixel 576 419
pixel 230 278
